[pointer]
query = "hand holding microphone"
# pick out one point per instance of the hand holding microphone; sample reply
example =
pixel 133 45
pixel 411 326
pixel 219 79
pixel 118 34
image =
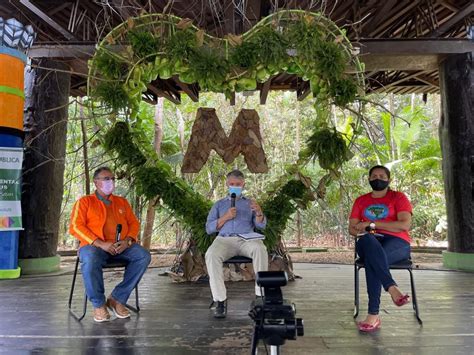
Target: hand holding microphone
pixel 232 212
pixel 119 245
pixel 118 233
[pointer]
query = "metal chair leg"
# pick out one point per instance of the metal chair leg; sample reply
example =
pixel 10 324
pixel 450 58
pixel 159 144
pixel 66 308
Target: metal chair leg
pixel 76 316
pixel 415 301
pixel 135 309
pixel 356 291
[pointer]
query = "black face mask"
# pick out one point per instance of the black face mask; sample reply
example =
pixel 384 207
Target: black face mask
pixel 378 185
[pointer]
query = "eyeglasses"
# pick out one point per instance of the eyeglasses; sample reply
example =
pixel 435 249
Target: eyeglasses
pixel 106 178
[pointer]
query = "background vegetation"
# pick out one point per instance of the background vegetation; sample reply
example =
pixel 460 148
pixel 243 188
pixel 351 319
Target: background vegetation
pixel 407 142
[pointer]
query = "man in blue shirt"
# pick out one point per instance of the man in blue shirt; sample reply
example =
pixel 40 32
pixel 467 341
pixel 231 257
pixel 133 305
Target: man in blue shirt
pixel 228 222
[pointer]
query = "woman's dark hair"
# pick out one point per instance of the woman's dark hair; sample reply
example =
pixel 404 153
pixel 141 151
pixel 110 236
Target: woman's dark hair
pixel 380 167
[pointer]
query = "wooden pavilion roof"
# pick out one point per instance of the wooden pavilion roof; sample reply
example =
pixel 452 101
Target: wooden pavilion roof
pixel 401 41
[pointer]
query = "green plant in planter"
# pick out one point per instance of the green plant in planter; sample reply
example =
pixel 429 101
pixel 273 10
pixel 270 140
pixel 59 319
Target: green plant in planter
pixel 329 146
pixel 144 44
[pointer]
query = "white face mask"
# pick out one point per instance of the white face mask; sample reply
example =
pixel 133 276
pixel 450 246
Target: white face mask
pixel 107 186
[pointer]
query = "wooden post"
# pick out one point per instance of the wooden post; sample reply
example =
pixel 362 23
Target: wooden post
pixel 45 126
pixel 457 145
pixel 150 211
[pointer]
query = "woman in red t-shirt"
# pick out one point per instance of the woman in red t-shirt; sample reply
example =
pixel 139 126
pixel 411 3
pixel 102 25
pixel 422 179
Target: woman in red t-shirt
pixel 389 213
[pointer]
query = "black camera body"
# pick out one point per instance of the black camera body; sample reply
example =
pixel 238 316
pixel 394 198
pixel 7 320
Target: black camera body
pixel 274 317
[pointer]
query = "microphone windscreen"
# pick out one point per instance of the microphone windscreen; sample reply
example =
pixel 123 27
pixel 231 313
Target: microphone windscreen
pixel 232 199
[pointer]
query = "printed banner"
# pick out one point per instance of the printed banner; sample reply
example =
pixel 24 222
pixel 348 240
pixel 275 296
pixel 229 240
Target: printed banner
pixel 11 160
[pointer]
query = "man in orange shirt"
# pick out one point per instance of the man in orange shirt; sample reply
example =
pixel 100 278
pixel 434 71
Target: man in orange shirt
pixel 97 220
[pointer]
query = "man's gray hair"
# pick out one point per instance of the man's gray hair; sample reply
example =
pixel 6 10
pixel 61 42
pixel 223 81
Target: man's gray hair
pixel 101 169
pixel 236 173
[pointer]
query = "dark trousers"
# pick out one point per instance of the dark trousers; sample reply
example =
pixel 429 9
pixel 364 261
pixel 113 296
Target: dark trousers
pixel 377 254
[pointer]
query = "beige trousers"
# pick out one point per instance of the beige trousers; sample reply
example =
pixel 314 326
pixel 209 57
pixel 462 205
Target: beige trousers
pixel 224 248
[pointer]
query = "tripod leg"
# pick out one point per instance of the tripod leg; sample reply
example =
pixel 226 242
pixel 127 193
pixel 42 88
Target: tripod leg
pixel 274 349
pixel 254 341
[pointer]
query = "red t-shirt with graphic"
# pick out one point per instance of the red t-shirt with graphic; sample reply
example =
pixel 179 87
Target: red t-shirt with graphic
pixel 385 209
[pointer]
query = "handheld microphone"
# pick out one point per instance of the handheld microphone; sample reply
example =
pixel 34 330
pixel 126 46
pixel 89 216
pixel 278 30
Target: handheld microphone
pixel 232 199
pixel 118 232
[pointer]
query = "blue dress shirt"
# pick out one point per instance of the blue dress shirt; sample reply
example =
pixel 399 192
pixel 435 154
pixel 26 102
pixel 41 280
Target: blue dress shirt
pixel 244 221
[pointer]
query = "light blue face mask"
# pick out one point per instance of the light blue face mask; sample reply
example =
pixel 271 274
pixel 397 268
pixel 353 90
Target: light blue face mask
pixel 237 190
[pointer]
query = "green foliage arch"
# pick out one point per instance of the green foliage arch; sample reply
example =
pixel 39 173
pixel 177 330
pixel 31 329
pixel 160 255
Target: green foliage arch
pixel 143 49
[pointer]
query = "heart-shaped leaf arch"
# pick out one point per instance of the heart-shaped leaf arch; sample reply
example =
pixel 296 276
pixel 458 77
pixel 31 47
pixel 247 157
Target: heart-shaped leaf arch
pixel 143 49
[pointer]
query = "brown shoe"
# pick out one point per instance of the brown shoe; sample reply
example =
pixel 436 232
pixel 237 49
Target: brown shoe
pixel 119 309
pixel 101 314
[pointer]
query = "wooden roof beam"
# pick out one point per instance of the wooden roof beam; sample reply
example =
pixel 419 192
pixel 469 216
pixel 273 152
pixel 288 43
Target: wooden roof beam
pixel 42 15
pixel 173 97
pixel 397 12
pixel 380 14
pixel 384 87
pixel 427 80
pixel 303 90
pixel 190 89
pixel 391 47
pixel 461 15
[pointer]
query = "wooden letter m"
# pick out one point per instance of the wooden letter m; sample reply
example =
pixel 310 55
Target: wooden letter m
pixel 208 134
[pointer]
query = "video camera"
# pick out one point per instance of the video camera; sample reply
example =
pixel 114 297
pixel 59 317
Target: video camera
pixel 274 317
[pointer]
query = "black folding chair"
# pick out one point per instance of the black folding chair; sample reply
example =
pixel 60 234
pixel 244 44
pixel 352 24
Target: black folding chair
pixel 238 259
pixel 402 265
pixel 110 265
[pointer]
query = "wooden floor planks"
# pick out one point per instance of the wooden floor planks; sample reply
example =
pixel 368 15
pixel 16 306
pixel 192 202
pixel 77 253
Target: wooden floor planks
pixel 175 318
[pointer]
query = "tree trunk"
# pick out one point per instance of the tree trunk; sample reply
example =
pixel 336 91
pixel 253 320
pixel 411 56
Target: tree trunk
pixel 87 179
pixel 150 212
pixel 457 145
pixel 299 228
pixel 299 222
pixel 45 126
pixel 180 129
pixel 393 148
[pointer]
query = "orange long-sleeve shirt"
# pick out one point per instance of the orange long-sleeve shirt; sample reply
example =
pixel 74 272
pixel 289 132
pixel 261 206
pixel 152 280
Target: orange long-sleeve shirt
pixel 89 216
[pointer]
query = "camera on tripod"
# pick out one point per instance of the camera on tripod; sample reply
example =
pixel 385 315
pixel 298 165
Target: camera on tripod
pixel 274 317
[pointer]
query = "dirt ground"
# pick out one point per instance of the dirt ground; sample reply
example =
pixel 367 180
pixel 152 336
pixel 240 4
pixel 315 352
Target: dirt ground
pixel 421 260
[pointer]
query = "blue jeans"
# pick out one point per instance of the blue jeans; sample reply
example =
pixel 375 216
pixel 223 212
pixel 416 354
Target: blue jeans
pixel 93 258
pixel 377 255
